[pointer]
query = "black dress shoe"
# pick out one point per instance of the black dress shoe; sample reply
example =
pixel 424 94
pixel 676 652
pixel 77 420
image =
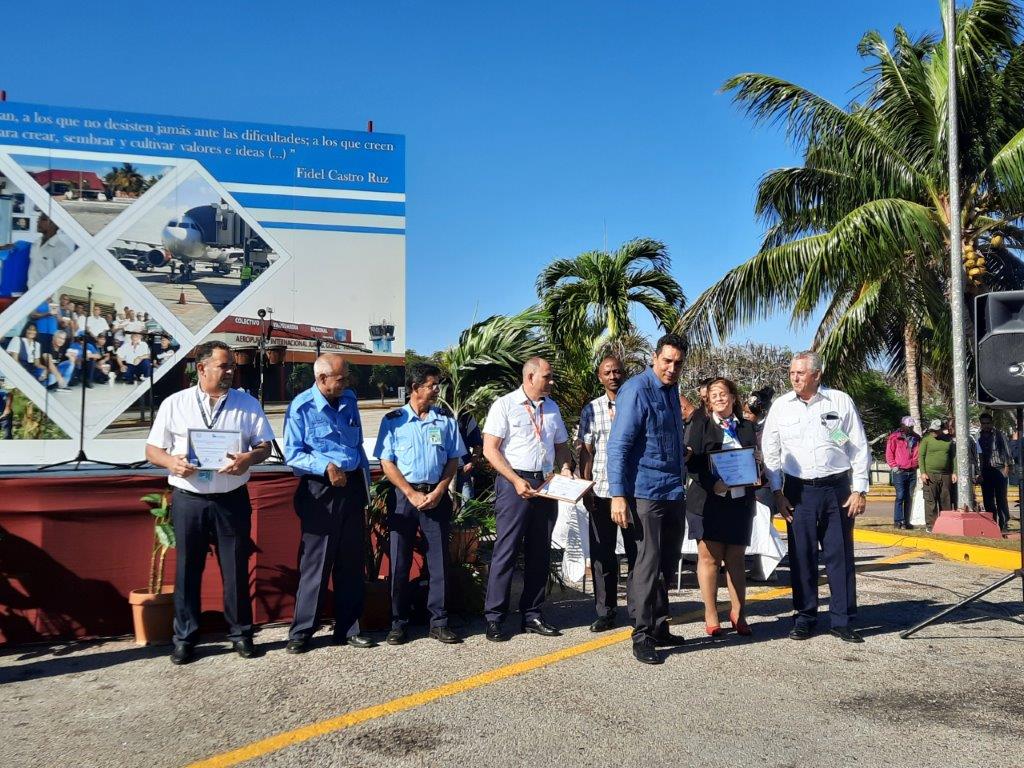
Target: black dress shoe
pixel 645 652
pixel 297 646
pixel 495 633
pixel 245 648
pixel 182 654
pixel 846 634
pixel 358 641
pixel 396 636
pixel 540 627
pixel 801 632
pixel 603 623
pixel 666 638
pixel 445 635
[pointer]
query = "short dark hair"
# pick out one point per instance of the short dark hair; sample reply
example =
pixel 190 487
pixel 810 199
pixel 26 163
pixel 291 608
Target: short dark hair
pixel 601 362
pixel 418 373
pixel 204 351
pixel 985 415
pixel 705 382
pixel 672 340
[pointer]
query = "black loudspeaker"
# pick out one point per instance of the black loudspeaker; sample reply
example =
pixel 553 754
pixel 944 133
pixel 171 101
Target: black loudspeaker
pixel 999 348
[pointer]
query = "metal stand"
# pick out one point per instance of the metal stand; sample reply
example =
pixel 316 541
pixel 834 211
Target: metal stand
pixel 1019 573
pixel 81 456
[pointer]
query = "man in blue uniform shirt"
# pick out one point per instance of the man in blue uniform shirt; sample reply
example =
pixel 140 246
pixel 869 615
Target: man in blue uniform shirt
pixel 419 450
pixel 323 444
pixel 645 480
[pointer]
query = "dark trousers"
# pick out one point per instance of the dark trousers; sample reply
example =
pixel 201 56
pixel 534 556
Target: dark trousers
pixel 937 495
pixel 819 518
pixel 333 531
pixel 658 529
pixel 604 563
pixel 138 371
pixel 904 480
pixel 436 526
pixel 223 519
pixel 993 491
pixel 519 522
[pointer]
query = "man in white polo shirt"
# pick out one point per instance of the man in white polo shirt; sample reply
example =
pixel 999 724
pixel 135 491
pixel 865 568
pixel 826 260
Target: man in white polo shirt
pixel 134 355
pixel 524 440
pixel 210 501
pixel 47 253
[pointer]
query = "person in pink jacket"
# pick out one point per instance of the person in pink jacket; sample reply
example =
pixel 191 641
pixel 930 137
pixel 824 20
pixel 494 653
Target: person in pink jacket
pixel 901 455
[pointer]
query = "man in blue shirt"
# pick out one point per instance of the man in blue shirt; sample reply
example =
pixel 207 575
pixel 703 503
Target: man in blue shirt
pixel 323 444
pixel 645 479
pixel 419 450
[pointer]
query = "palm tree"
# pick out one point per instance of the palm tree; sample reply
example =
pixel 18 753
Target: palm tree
pixel 599 289
pixel 382 377
pixel 862 228
pixel 125 179
pixel 487 360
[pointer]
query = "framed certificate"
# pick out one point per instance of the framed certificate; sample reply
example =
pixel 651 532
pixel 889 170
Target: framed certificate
pixel 565 488
pixel 736 467
pixel 209 448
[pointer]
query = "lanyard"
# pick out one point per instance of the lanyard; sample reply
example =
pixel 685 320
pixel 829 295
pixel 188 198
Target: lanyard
pixel 212 421
pixel 538 421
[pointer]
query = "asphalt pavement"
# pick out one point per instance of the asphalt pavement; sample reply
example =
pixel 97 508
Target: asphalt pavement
pixel 951 695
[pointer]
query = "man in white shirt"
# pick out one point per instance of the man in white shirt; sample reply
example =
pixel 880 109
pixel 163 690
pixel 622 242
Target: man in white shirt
pixel 47 253
pixel 134 354
pixel 210 502
pixel 812 441
pixel 96 324
pixel 524 440
pixel 133 323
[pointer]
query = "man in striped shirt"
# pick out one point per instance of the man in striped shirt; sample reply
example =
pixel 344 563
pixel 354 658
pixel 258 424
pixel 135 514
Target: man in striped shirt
pixel 592 444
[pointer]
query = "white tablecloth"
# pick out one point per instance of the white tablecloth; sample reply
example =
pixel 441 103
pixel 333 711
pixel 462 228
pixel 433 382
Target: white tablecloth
pixel 570 534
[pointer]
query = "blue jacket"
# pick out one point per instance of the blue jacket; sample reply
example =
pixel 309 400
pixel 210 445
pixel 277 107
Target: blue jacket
pixel 645 448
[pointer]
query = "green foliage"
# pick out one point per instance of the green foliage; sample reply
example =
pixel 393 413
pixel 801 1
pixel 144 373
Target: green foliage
pixel 300 378
pixel 163 536
pixel 29 422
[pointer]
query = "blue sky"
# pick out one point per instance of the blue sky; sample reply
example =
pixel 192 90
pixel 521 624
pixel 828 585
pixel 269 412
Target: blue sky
pixel 534 130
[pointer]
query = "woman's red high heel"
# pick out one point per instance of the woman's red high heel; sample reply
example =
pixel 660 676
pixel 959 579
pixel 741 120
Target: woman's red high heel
pixel 713 631
pixel 741 626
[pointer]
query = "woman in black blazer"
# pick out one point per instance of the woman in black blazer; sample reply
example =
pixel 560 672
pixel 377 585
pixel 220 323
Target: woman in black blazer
pixel 719 518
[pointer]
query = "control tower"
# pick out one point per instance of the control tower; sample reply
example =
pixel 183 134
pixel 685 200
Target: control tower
pixel 382 334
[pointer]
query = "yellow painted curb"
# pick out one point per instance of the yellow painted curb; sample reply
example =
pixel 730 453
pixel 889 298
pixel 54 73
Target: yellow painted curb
pixel 959 552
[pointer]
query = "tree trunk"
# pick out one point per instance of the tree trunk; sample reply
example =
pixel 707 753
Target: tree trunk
pixel 912 355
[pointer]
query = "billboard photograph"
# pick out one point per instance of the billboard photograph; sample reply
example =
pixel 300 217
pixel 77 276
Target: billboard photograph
pixel 128 239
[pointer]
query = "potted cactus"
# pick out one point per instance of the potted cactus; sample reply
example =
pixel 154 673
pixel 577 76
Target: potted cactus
pixel 153 607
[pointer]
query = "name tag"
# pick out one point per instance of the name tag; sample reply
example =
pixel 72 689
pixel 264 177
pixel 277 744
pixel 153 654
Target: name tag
pixel 838 436
pixel 434 435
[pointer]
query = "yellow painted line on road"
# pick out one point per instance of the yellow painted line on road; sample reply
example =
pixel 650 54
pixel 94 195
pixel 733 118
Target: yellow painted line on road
pixel 412 701
pixel 959 552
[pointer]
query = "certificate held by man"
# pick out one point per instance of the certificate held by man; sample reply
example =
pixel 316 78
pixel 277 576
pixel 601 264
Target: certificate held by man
pixel 736 467
pixel 209 448
pixel 565 488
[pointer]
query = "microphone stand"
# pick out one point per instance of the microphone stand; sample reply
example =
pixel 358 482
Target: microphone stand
pixel 84 376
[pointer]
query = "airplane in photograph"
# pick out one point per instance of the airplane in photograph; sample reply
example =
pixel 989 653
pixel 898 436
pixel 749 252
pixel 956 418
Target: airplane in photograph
pixel 182 247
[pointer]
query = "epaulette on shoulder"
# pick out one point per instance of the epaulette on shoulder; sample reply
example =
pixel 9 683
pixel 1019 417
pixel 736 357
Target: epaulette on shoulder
pixel 393 414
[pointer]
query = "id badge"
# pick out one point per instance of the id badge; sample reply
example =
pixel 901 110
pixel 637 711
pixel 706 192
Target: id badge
pixel 434 435
pixel 205 475
pixel 838 436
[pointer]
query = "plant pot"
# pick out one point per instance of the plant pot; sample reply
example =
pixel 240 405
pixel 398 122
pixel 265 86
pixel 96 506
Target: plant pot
pixel 464 544
pixel 244 355
pixel 153 616
pixel 276 353
pixel 377 607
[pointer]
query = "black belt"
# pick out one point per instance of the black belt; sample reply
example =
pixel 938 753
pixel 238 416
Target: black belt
pixel 527 475
pixel 824 482
pixel 423 487
pixel 210 495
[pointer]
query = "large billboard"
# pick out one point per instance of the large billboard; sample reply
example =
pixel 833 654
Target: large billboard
pixel 127 239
